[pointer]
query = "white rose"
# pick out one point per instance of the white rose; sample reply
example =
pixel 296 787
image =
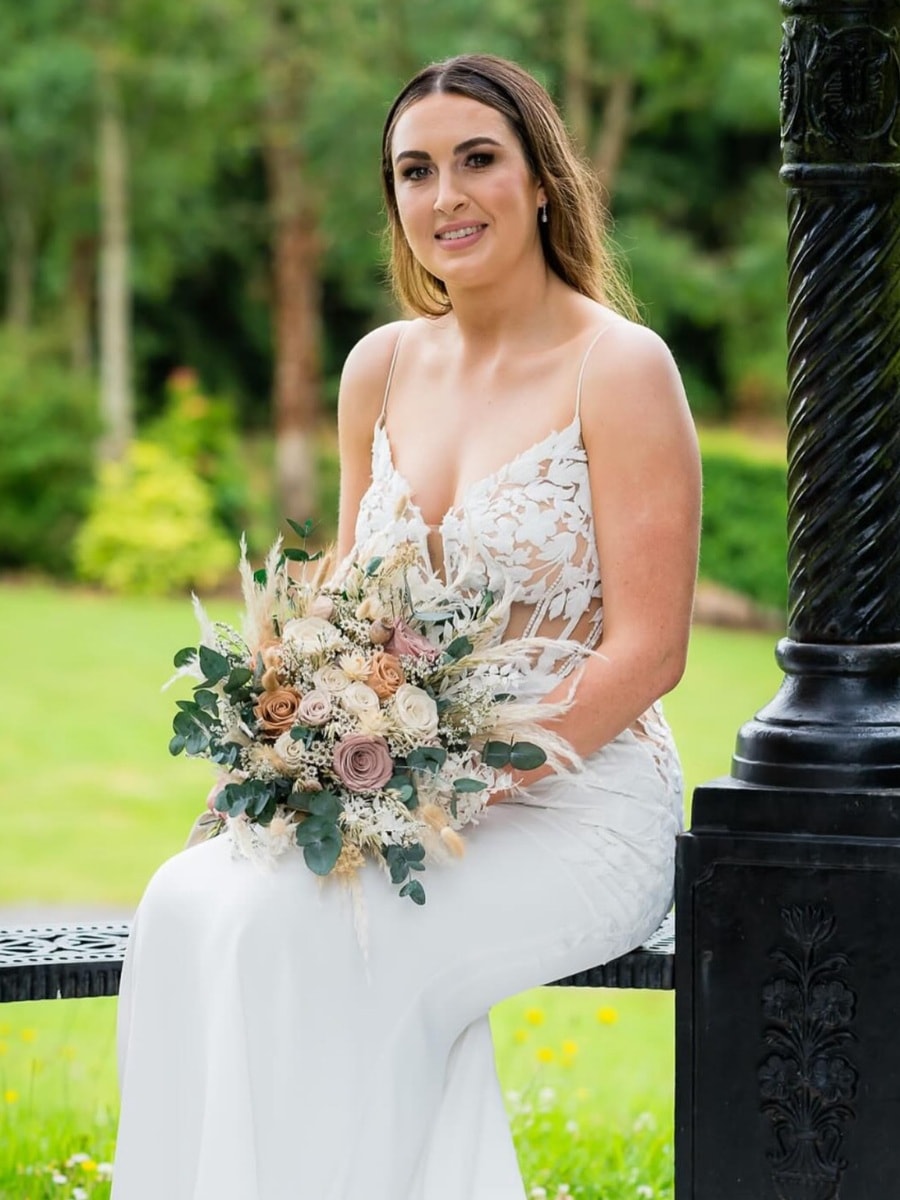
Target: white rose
pixel 310 634
pixel 331 679
pixel 314 708
pixel 355 665
pixel 359 698
pixel 291 753
pixel 415 711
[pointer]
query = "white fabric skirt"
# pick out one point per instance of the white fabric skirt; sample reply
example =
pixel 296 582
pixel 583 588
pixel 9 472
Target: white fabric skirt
pixel 262 1056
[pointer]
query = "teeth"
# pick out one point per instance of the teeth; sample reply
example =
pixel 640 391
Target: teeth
pixel 458 233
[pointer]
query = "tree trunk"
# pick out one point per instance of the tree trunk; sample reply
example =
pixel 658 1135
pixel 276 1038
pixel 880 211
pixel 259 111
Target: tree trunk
pixel 80 302
pixel 116 400
pixel 576 71
pixel 297 290
pixel 612 136
pixel 21 241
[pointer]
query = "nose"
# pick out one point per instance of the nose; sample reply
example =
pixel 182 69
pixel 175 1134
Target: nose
pixel 448 198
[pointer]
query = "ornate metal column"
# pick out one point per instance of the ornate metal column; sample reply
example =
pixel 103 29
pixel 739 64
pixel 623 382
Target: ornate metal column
pixel 788 910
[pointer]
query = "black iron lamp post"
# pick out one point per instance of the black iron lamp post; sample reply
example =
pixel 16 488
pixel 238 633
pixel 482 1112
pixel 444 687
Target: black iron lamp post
pixel 788 910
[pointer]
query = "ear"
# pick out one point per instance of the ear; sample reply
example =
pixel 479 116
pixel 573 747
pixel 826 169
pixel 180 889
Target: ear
pixel 542 197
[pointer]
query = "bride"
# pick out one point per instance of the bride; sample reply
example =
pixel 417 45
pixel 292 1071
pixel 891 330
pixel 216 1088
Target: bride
pixel 523 432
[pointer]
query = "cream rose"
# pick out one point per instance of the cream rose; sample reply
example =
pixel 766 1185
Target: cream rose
pixel 309 634
pixel 415 711
pixel 362 763
pixel 315 708
pixel 331 679
pixel 358 698
pixel 291 753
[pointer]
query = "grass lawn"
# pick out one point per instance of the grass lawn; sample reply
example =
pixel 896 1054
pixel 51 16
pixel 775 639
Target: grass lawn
pixel 92 802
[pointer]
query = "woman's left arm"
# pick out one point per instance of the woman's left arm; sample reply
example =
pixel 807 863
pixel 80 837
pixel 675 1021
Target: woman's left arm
pixel 644 468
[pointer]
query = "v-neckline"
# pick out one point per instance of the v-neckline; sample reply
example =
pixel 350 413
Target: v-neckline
pixel 480 482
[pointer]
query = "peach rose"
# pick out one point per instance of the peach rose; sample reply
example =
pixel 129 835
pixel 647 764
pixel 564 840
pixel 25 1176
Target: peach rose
pixel 276 710
pixel 385 674
pixel 362 763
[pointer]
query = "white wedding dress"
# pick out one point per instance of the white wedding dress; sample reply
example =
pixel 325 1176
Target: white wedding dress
pixel 263 1056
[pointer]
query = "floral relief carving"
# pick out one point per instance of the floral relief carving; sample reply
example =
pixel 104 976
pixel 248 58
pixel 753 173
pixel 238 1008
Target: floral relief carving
pixel 807 1081
pixel 851 92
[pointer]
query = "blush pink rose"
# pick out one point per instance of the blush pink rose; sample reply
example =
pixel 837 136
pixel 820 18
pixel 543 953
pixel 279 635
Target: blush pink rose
pixel 406 641
pixel 362 762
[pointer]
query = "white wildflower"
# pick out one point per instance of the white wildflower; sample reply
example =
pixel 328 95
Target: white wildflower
pixel 307 635
pixel 645 1191
pixel 355 665
pixel 104 1170
pixel 58 1178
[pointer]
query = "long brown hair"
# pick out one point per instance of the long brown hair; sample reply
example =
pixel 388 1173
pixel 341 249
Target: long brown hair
pixel 571 238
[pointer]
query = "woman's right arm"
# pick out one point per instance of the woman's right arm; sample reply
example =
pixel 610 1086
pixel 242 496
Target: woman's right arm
pixel 360 400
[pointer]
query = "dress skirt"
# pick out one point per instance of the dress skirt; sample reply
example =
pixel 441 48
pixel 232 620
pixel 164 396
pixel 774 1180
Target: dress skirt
pixel 264 1056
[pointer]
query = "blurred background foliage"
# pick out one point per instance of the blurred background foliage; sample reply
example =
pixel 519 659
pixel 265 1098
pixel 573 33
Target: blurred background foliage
pixel 190 243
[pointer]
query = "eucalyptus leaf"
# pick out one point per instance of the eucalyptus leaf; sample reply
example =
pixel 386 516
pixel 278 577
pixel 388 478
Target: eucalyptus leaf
pixel 185 656
pixel 526 757
pixel 237 678
pixel 302 531
pixel 414 890
pixel 215 666
pixel 459 648
pixel 207 700
pixel 496 754
pixel 176 744
pixel 321 842
pixel 296 554
pixel 260 577
pixel 325 804
pixel 468 785
pixel 372 565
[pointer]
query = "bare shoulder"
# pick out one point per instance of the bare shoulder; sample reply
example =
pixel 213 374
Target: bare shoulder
pixel 366 370
pixel 631 381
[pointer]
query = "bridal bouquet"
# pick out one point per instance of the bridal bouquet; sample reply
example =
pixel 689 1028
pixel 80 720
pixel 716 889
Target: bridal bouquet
pixel 370 716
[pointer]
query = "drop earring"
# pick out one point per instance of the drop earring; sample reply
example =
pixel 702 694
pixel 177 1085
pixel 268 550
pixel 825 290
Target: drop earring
pixel 544 213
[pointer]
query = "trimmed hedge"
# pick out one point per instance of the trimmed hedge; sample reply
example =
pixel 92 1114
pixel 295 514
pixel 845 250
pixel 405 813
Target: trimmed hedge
pixel 744 543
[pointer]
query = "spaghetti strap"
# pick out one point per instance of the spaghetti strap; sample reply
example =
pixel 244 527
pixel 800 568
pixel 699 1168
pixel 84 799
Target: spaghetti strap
pixel 594 341
pixel 390 376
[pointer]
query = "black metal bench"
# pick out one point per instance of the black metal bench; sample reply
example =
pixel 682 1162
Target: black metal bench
pixel 47 962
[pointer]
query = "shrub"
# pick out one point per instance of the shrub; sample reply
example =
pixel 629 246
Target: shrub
pixel 744 542
pixel 48 427
pixel 151 527
pixel 203 433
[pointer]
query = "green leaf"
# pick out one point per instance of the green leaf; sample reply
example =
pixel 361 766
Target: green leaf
pixel 397 864
pixel 321 841
pixel 237 678
pixel 526 757
pixel 296 554
pixel 302 531
pixel 207 700
pixel 427 758
pixel 414 890
pixel 459 648
pixel 414 853
pixel 260 577
pixel 372 565
pixel 326 805
pixel 496 754
pixel 215 666
pixel 185 656
pixel 487 603
pixel 468 785
pixel 176 744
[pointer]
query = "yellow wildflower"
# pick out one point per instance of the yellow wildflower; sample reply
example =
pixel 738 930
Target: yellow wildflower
pixel 534 1016
pixel 546 1054
pixel 582 1094
pixel 4 1048
pixel 10 1096
pixel 607 1016
pixel 89 1165
pixel 29 1035
pixel 69 1053
pixel 569 1048
pixel 520 1037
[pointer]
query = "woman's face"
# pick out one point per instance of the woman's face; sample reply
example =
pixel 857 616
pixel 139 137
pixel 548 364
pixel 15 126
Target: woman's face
pixel 467 201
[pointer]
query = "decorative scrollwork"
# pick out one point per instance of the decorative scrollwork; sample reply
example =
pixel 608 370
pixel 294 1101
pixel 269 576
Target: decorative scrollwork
pixel 807 1081
pixel 840 88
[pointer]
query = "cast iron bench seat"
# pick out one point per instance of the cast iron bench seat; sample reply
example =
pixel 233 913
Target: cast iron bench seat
pixel 47 962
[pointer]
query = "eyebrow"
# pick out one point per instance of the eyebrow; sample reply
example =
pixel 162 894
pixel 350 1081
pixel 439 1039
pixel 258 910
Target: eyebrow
pixel 424 156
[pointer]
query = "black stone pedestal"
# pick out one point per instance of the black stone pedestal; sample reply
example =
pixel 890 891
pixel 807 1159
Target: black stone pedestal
pixel 788 999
